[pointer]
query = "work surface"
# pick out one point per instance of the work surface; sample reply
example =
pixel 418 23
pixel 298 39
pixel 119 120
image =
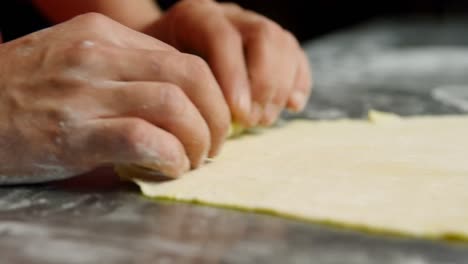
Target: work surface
pixel 405 67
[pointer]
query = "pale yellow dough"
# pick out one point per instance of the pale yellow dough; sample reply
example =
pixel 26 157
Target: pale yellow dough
pixel 406 176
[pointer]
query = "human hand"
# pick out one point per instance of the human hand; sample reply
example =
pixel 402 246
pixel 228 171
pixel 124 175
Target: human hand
pixel 260 67
pixel 91 92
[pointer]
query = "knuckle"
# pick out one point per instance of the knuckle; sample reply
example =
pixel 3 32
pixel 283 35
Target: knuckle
pixel 290 38
pixel 197 67
pixel 232 6
pixel 192 3
pixel 83 52
pixel 264 28
pixel 229 36
pixel 93 20
pixel 133 133
pixel 173 100
pixel 62 115
pixel 196 62
pixel 184 8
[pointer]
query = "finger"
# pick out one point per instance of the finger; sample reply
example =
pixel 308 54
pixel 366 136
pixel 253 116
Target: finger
pixel 191 73
pixel 287 47
pixel 270 64
pixel 216 40
pixel 166 106
pixel 127 141
pixel 302 85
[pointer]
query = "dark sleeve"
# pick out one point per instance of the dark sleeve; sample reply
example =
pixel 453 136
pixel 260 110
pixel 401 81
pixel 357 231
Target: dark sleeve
pixel 19 18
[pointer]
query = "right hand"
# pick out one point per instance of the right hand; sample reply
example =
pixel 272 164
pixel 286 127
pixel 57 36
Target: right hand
pixel 91 92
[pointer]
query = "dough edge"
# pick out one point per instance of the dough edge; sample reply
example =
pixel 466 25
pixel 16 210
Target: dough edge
pixel 374 117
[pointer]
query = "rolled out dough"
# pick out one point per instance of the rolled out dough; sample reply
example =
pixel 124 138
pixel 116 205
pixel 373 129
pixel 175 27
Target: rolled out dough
pixel 403 176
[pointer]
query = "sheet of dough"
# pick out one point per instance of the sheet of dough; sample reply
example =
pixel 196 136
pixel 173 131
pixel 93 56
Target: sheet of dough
pixel 407 177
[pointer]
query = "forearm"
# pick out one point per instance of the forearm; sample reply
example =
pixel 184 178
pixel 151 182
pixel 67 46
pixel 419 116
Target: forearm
pixel 136 14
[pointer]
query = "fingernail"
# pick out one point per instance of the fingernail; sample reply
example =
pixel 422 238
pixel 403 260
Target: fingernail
pixel 298 101
pixel 215 151
pixel 186 163
pixel 244 103
pixel 271 113
pixel 256 114
pixel 202 160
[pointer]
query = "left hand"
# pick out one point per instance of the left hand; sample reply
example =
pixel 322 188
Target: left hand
pixel 260 67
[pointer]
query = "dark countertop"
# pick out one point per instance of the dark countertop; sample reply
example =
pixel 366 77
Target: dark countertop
pixel 408 67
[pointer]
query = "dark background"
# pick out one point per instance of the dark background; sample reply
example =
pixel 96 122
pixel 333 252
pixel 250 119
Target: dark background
pixel 306 19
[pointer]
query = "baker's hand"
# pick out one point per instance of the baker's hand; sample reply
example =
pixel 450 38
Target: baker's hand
pixel 260 67
pixel 91 92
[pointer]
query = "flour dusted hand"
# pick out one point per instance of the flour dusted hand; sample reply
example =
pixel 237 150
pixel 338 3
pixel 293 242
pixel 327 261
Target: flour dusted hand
pixel 260 66
pixel 91 92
